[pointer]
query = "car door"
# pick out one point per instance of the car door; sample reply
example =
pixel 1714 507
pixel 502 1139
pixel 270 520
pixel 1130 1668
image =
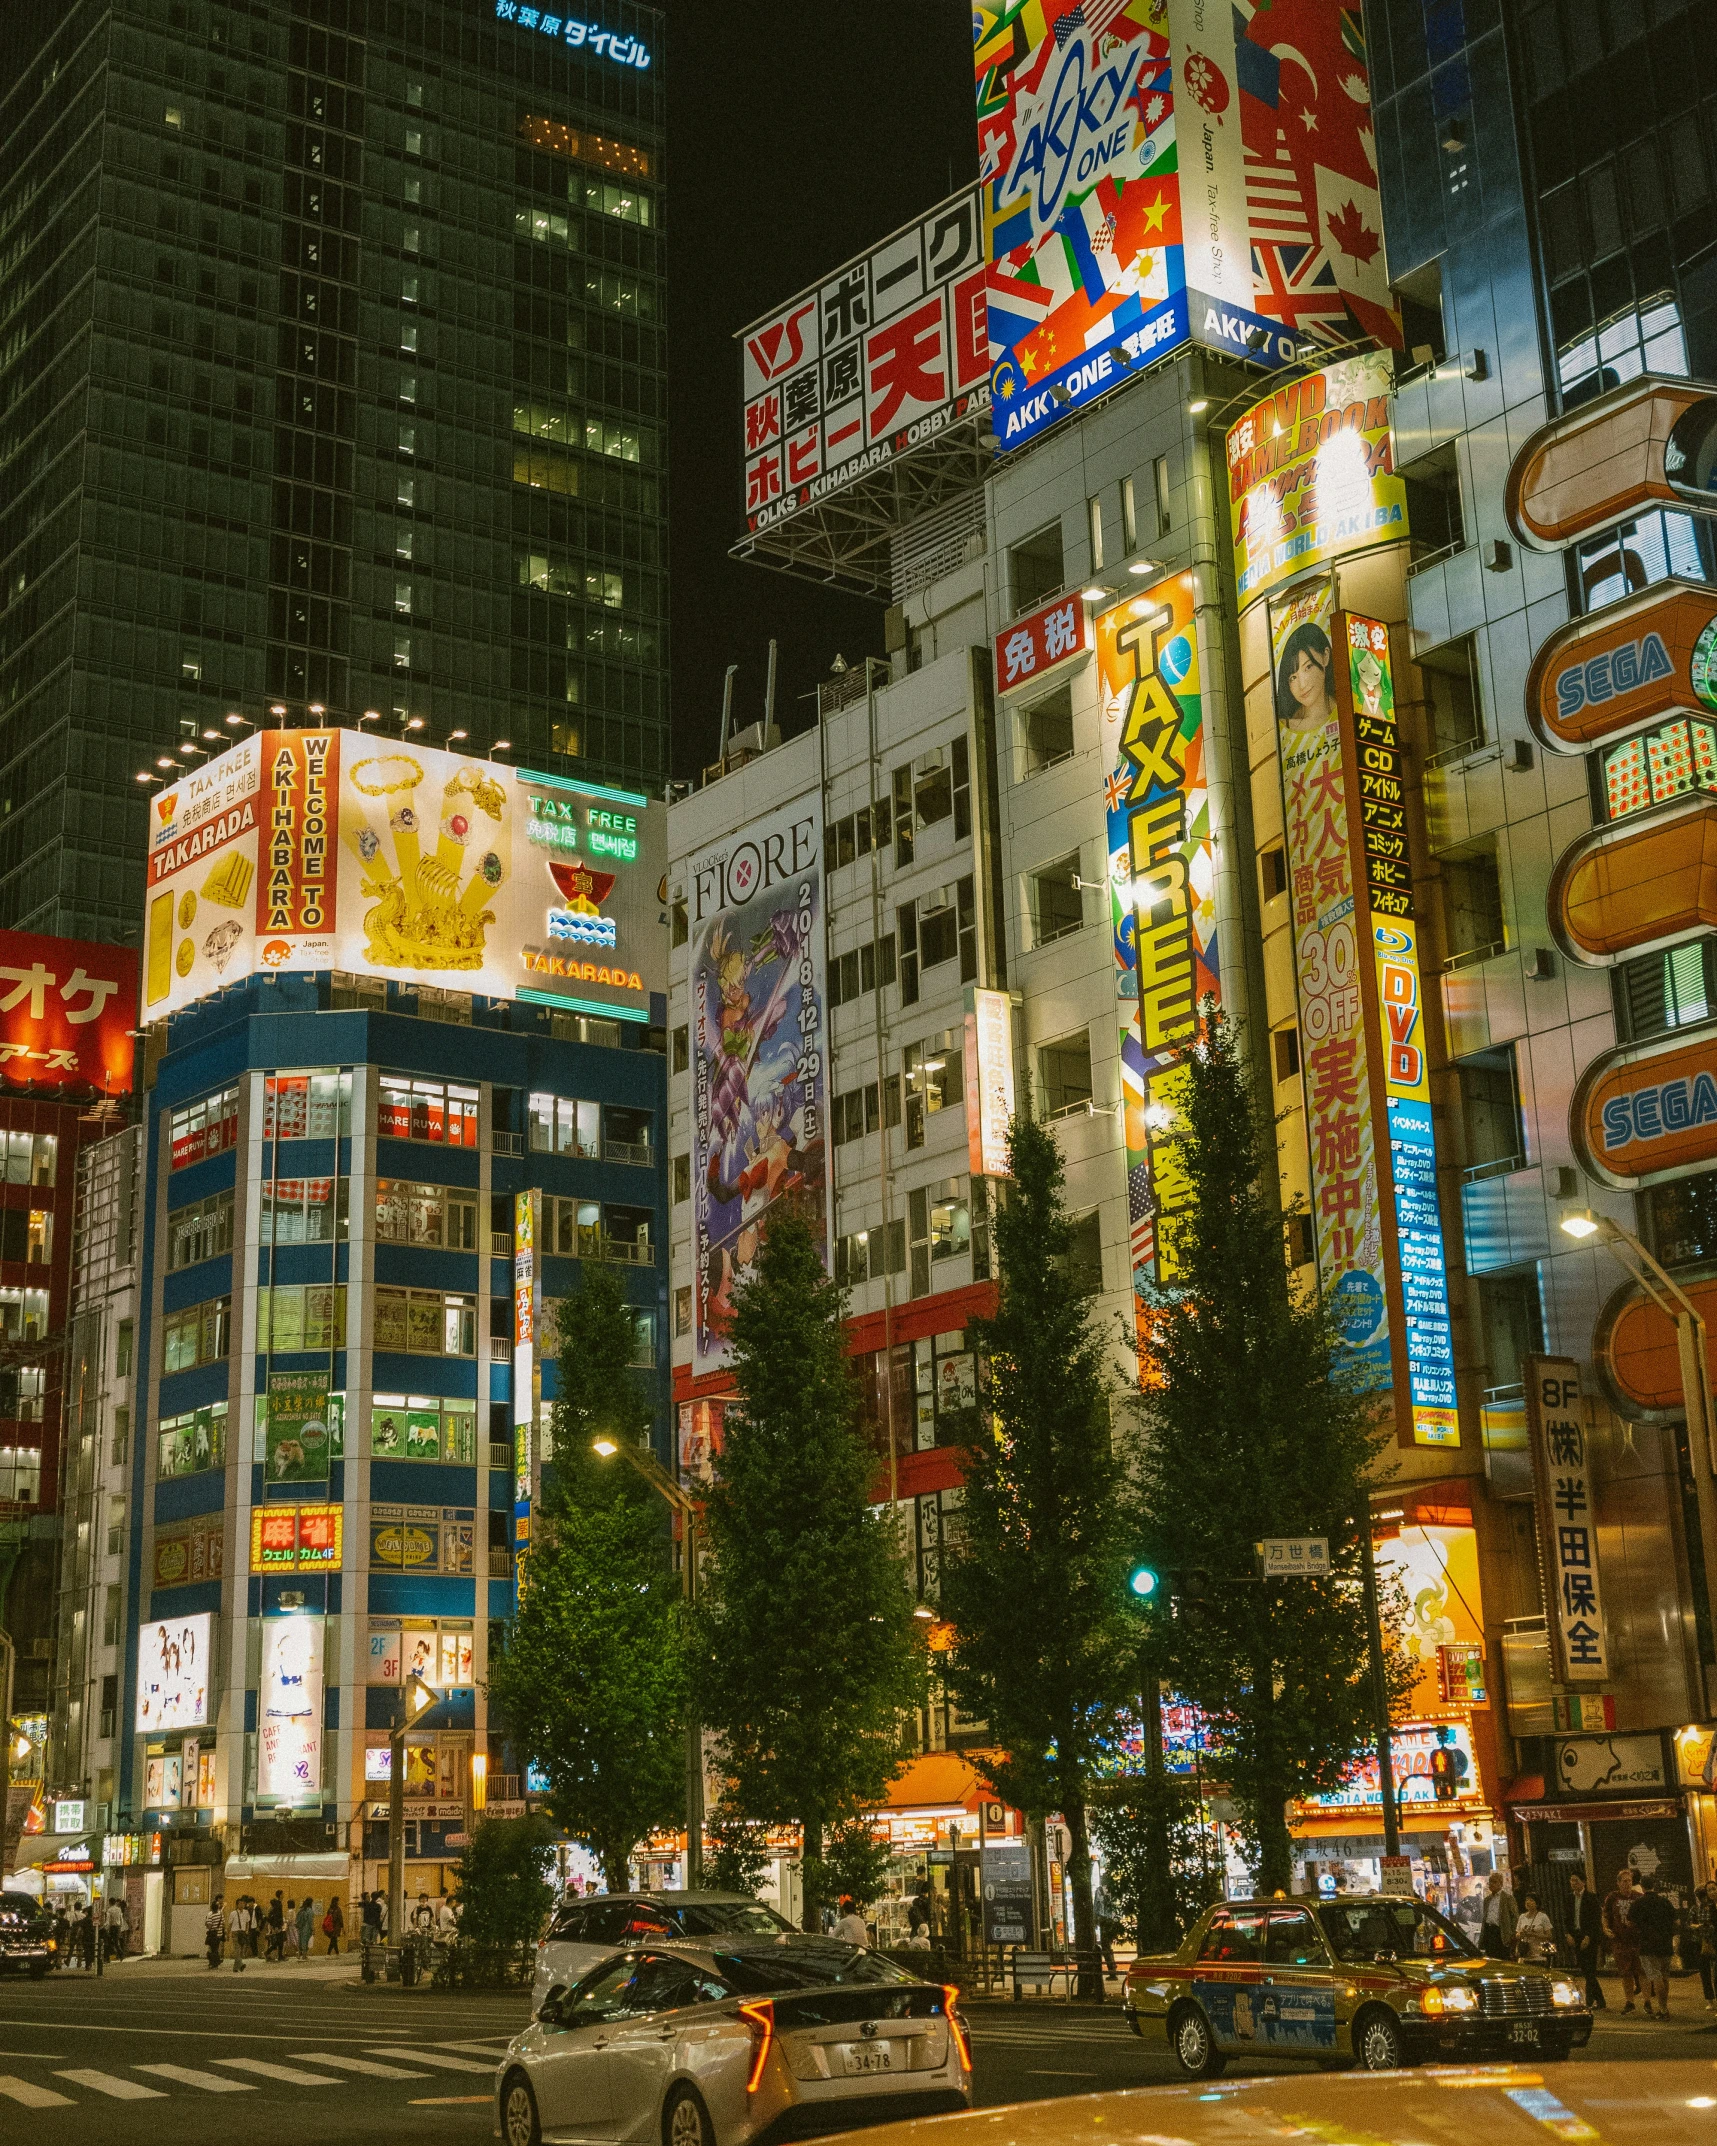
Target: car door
pixel 644 2052
pixel 1228 1976
pixel 571 2075
pixel 1297 2000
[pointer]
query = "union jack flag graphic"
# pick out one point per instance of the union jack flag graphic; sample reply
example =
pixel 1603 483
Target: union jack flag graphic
pixel 1293 274
pixel 1117 788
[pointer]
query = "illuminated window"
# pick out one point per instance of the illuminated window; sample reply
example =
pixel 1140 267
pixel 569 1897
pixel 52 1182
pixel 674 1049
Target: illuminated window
pixel 190 1443
pixel 425 1322
pixel 206 1127
pixel 628 203
pixel 30 1158
pixel 441 1112
pixel 41 1237
pixel 201 1231
pixel 312 1316
pixel 315 1105
pixel 415 1426
pixel 442 1216
pixel 199 1334
pixel 303 1210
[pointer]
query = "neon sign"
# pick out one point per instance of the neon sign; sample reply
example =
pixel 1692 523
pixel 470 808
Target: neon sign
pixel 623 51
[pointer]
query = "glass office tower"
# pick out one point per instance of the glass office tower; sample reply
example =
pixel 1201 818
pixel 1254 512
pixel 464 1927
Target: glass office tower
pixel 331 374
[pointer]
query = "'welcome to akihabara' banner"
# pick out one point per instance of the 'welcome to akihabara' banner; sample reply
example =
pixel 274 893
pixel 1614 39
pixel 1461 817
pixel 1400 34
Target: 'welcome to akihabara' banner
pixel 1162 895
pixel 760 1048
pixel 1163 171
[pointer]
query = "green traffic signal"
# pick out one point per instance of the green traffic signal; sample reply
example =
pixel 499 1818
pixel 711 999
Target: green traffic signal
pixel 1143 1581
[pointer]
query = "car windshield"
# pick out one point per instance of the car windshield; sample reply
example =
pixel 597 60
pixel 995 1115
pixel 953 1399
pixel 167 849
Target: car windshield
pixel 1406 1929
pixel 730 1918
pixel 806 1966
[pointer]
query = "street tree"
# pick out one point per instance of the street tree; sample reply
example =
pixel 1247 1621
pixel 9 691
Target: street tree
pixel 1045 1646
pixel 807 1656
pixel 590 1677
pixel 1256 1425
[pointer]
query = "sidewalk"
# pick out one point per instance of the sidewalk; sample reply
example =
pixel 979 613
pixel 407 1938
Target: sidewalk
pixel 344 1967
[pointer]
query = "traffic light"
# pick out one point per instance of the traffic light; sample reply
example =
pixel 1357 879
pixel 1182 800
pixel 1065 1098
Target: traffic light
pixel 1144 1582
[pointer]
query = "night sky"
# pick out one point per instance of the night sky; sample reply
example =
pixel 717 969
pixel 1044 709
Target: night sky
pixel 800 131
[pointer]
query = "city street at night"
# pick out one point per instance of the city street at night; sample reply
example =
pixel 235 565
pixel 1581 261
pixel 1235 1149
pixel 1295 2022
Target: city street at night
pixel 321 2058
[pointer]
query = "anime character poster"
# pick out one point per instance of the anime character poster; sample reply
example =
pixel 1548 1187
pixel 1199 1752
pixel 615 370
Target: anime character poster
pixel 1347 1205
pixel 759 1011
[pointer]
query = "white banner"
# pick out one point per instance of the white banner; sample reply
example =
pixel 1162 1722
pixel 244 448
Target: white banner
pixel 289 1710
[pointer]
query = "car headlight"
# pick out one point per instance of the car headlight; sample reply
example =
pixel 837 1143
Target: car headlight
pixel 1439 1998
pixel 1566 1993
pixel 1458 1998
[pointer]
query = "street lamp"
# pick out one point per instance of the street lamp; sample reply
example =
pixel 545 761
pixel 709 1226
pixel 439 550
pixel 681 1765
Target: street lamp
pixel 685 1505
pixel 7 1654
pixel 415 1699
pixel 1655 1282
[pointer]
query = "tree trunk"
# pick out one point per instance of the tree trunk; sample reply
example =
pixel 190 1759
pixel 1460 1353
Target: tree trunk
pixel 1084 1914
pixel 811 1871
pixel 1275 1856
pixel 616 1870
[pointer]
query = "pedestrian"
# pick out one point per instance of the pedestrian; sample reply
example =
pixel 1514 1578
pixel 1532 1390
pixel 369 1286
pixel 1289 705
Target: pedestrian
pixel 332 1924
pixel 215 1931
pixel 1534 1934
pixel 306 1926
pixel 423 1916
pixel 1654 1919
pixel 87 1936
pixel 445 1923
pixel 276 1928
pixel 1500 1916
pixel 850 1927
pixel 289 1940
pixel 62 1936
pixel 1106 1926
pixel 238 1930
pixel 1585 1937
pixel 1619 1906
pixel 1702 1918
pixel 117 1934
pixel 372 1918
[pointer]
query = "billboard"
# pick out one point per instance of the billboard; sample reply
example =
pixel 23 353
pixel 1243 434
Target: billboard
pixel 1347 1205
pixel 1311 474
pixel 1564 1499
pixel 289 1710
pixel 527 1374
pixel 1162 891
pixel 296 1538
pixel 67 1011
pixel 1649 1112
pixel 883 354
pixel 1625 665
pixel 989 1069
pixel 305 850
pixel 760 1050
pixel 173 1673
pixel 1162 171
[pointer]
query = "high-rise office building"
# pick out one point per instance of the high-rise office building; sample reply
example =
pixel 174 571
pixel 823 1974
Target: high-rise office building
pixel 331 375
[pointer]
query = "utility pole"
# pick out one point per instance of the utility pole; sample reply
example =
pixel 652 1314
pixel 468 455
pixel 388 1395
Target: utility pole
pixel 1379 1690
pixel 415 1699
pixel 8 1656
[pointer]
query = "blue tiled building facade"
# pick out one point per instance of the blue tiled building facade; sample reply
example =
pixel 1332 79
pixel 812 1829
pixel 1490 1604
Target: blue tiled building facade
pixel 325 1370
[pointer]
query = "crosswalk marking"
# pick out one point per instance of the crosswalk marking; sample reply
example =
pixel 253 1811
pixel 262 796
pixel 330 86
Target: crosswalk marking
pixel 104 2082
pixel 211 2082
pixel 359 2064
pixel 276 2071
pixel 480 2049
pixel 33 2097
pixel 437 2058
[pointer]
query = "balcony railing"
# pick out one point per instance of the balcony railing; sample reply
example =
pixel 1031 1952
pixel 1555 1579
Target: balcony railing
pixel 500 1568
pixel 635 1151
pixel 500 1453
pixel 501 1243
pixel 505 1143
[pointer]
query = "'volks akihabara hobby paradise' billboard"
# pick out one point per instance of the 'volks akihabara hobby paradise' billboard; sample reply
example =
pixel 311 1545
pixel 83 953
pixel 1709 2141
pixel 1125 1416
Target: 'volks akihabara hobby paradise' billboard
pixel 1163 171
pixel 760 1045
pixel 331 849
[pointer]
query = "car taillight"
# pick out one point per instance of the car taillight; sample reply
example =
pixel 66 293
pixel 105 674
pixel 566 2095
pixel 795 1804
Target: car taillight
pixel 760 2018
pixel 956 2025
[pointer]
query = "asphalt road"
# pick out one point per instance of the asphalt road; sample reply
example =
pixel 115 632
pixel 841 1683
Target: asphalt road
pixel 266 2060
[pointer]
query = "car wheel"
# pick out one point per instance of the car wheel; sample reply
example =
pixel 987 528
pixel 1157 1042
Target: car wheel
pixel 685 2120
pixel 1194 2045
pixel 520 2124
pixel 1377 2042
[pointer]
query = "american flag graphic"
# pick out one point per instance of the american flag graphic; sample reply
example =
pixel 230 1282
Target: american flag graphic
pixel 1092 15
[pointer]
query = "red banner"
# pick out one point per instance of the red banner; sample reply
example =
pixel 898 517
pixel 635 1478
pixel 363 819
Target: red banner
pixel 295 887
pixel 1037 643
pixel 67 1010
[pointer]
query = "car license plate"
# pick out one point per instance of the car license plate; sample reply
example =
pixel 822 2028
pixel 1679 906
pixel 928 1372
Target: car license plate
pixel 871 2056
pixel 1524 2032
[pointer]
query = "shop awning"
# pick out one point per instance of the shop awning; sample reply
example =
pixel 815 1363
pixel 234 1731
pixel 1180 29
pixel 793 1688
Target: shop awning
pixel 1414 1821
pixel 35 1849
pixel 1570 1814
pixel 937 1780
pixel 250 1869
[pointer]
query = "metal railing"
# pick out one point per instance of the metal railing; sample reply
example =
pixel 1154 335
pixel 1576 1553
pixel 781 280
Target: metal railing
pixel 636 1151
pixel 1475 954
pixel 504 1143
pixel 501 1243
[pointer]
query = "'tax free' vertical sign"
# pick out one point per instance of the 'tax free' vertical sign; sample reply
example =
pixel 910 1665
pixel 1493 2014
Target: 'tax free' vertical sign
pixel 1567 1520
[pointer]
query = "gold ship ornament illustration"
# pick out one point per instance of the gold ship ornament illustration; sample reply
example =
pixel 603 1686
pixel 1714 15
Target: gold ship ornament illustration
pixel 430 912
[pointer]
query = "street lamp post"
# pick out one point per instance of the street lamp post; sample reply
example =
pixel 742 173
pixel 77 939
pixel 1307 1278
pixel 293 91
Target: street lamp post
pixel 415 1699
pixel 1673 1301
pixel 7 1658
pixel 685 1505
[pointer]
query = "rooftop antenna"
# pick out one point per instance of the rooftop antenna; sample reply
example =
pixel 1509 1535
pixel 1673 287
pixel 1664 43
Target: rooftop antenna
pixel 727 707
pixel 769 696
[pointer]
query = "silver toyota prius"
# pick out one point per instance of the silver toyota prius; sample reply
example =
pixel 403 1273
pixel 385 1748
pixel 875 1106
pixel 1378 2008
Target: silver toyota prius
pixel 717 2044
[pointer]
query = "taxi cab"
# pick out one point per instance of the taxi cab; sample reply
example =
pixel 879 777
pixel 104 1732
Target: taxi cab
pixel 1381 1980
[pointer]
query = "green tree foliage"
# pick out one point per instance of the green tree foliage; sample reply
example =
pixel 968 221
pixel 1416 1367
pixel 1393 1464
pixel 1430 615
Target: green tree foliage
pixel 1256 1427
pixel 1139 1824
pixel 504 1882
pixel 1046 1650
pixel 807 1656
pixel 590 1677
pixel 737 1852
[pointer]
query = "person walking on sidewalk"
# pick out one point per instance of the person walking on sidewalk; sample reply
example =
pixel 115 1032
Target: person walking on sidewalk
pixel 1654 1919
pixel 332 1924
pixel 238 1929
pixel 215 1932
pixel 1501 1913
pixel 1585 1937
pixel 276 1921
pixel 306 1926
pixel 1619 1908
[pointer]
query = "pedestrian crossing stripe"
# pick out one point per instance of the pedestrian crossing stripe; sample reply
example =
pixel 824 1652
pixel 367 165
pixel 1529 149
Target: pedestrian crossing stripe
pixel 357 2064
pixel 441 2061
pixel 105 2082
pixel 493 2050
pixel 33 2096
pixel 188 2075
pixel 276 2071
